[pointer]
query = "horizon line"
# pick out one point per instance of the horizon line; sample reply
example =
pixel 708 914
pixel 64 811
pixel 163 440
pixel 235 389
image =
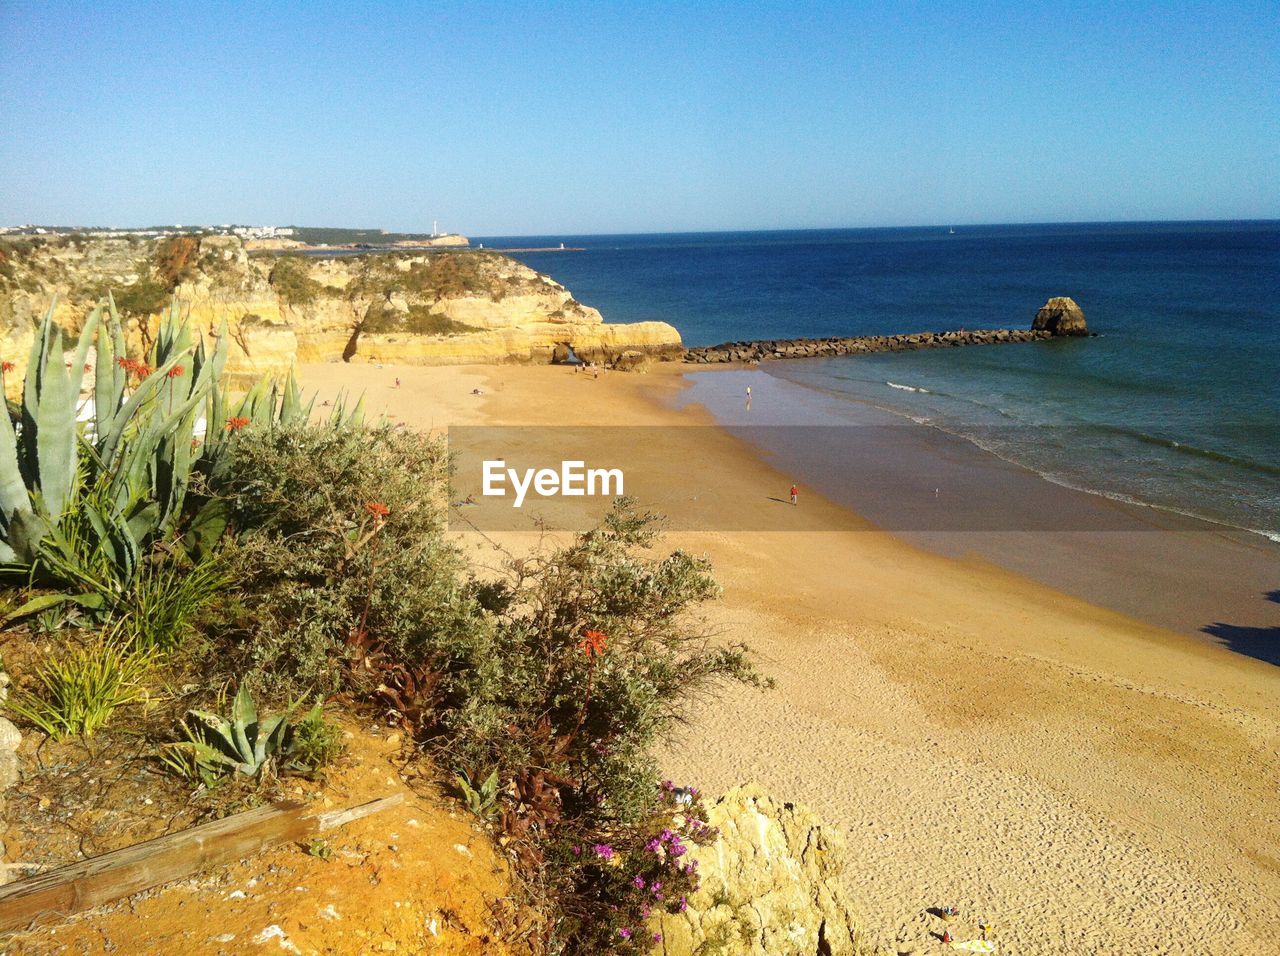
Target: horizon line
pixel 678 232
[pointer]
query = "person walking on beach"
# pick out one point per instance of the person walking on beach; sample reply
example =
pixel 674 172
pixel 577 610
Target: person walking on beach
pixel 795 494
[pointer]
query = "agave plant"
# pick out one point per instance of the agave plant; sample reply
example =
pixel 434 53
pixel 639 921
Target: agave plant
pixel 86 487
pixel 243 743
pixel 122 459
pixel 482 799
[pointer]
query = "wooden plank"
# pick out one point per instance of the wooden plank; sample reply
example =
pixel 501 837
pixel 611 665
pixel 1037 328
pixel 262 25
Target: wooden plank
pixel 175 856
pixel 337 818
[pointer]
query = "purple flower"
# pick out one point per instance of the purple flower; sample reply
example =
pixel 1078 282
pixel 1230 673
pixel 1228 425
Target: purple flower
pixel 657 937
pixel 665 835
pixel 577 851
pixel 684 904
pixel 657 885
pixel 624 933
pixel 645 911
pixel 604 851
pixel 654 845
pixel 668 785
pixel 638 882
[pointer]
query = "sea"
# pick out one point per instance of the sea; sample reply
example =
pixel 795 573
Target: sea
pixel 1172 403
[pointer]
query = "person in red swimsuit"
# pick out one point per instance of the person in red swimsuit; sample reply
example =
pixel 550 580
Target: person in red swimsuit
pixel 795 493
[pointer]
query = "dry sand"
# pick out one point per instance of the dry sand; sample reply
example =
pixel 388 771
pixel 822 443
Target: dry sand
pixel 1089 783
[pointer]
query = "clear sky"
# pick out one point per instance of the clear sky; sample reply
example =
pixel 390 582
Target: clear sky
pixel 543 118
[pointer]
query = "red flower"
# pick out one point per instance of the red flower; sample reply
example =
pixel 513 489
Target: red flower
pixel 173 372
pixel 593 643
pixel 134 367
pixel 378 510
pixel 6 367
pixel 88 367
pixel 236 423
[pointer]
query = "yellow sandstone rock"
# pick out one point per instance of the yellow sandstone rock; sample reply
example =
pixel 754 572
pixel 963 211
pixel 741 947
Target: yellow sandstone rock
pixel 444 307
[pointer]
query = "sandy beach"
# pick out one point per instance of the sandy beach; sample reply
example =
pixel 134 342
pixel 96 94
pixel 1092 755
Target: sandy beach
pixel 1088 782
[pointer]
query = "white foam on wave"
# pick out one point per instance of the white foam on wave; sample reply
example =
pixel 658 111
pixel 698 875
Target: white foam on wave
pixel 907 388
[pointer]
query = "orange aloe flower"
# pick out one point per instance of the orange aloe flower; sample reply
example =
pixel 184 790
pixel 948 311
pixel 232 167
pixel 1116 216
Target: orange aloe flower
pixel 7 367
pixel 236 423
pixel 378 510
pixel 593 643
pixel 174 372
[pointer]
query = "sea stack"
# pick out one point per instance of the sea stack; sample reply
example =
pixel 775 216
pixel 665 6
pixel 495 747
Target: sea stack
pixel 1060 316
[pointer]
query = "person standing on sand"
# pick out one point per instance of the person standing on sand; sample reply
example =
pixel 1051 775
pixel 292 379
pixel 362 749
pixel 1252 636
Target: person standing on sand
pixel 748 398
pixel 795 494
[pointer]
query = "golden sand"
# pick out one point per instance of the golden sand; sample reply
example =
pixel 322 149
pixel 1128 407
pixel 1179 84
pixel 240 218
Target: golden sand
pixel 1086 782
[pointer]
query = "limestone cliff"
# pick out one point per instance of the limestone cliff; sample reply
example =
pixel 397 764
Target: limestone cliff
pixel 771 886
pixel 427 308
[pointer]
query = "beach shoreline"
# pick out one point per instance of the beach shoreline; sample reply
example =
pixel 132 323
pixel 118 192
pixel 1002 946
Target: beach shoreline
pixel 945 493
pixel 1088 781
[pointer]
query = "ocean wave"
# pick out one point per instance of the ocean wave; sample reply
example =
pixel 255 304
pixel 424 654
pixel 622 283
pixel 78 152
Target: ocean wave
pixel 994 441
pixel 1183 448
pixel 908 388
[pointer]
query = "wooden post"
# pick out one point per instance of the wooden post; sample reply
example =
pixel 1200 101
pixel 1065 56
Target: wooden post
pixel 175 856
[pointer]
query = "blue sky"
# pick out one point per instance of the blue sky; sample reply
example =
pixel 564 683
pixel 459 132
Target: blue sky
pixel 541 118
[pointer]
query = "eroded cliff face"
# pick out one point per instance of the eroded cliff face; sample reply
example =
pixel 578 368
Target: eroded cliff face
pixel 770 886
pixel 436 308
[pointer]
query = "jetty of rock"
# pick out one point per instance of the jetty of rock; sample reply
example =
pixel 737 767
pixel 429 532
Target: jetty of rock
pixel 1060 316
pixel 852 345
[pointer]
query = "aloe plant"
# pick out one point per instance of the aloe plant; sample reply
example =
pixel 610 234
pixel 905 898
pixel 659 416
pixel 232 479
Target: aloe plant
pixel 243 743
pixel 81 501
pixel 481 800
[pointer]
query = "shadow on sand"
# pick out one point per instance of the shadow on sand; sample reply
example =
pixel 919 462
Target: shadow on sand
pixel 1260 642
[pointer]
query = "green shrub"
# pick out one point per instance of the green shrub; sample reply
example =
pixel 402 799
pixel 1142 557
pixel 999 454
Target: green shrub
pixel 142 297
pixel 380 317
pixel 446 274
pixel 316 741
pixel 324 578
pixel 559 677
pixel 169 597
pixel 78 690
pixel 422 321
pixel 291 279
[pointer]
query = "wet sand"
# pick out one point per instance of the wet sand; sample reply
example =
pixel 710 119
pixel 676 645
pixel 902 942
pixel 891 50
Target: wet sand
pixel 1089 782
pixel 944 493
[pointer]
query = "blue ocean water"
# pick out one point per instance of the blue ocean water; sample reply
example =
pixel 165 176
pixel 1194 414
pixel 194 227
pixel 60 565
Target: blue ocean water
pixel 1176 402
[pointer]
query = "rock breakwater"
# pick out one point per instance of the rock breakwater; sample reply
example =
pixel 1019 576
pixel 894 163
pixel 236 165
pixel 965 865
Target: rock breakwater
pixel 756 351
